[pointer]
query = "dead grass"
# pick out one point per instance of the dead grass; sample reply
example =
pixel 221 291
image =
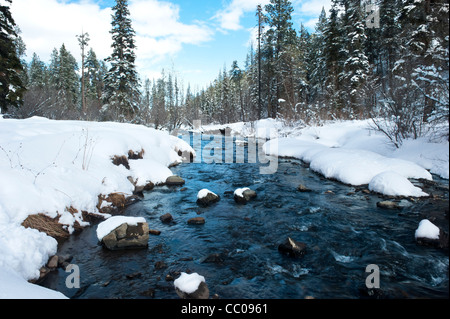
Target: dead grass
pixel 47 225
pixel 135 156
pixel 123 159
pixel 120 160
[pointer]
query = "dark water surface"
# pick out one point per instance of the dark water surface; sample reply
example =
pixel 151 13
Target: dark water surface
pixel 236 249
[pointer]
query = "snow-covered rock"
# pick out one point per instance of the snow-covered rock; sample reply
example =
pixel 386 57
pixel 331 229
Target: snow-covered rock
pixel 394 184
pixel 243 195
pixel 429 234
pixel 122 232
pixel 191 286
pixel 206 197
pixel 427 229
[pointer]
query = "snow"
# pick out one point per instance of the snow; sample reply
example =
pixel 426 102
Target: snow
pixel 427 229
pixel 104 228
pixel 394 184
pixel 188 283
pixel 49 166
pixel 240 191
pixel 353 153
pixel 14 287
pixel 203 193
pixel 24 250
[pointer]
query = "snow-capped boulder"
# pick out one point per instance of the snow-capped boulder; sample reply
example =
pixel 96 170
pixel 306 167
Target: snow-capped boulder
pixel 120 232
pixel 205 197
pixel 191 286
pixel 244 195
pixel 429 234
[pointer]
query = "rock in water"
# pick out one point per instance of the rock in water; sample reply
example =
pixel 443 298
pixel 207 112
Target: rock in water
pixel 166 218
pixel 174 181
pixel 121 232
pixel 196 221
pixel 191 286
pixel 292 248
pixel 388 205
pixel 244 195
pixel 302 188
pixel 428 234
pixel 205 197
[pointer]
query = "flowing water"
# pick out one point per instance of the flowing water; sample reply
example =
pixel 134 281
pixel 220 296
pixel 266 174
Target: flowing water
pixel 236 249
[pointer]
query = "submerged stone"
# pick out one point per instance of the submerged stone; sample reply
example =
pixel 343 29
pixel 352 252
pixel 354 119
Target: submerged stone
pixel 292 248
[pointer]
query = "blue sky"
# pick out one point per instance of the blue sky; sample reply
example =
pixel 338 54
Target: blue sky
pixel 194 38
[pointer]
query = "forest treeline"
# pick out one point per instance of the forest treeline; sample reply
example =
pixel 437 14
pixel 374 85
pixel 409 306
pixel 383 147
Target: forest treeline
pixel 386 60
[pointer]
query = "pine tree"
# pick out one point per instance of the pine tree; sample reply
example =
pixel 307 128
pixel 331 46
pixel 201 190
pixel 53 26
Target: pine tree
pixel 316 65
pixel 95 72
pixel 159 105
pixel 280 36
pixel 64 78
pixel 333 55
pixel 11 86
pixel 122 93
pixel 67 77
pixel 236 75
pixel 37 76
pixel 355 72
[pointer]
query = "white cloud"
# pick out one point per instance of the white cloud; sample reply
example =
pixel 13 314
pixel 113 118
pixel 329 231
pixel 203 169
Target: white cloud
pixel 312 7
pixel 230 17
pixel 46 24
pixel 308 11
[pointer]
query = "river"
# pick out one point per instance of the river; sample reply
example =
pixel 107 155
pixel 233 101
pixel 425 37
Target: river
pixel 236 249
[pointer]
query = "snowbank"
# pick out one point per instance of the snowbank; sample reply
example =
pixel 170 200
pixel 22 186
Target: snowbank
pixel 57 167
pixel 353 153
pixel 104 228
pixel 394 184
pixel 14 286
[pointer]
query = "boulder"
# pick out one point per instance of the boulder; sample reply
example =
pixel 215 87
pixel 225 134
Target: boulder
pixel 53 262
pixel 206 197
pixel 191 286
pixel 154 232
pixel 121 232
pixel 292 248
pixel 166 218
pixel 388 205
pixel 428 234
pixel 244 195
pixel 174 181
pixel 196 221
pixel 302 188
